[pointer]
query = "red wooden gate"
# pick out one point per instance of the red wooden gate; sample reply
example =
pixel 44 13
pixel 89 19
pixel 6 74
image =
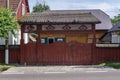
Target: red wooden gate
pixel 55 53
pixel 58 53
pixel 79 53
pixel 30 53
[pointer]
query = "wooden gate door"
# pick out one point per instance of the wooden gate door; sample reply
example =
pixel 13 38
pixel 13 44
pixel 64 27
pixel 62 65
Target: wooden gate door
pixel 79 53
pixel 58 53
pixel 55 53
pixel 30 53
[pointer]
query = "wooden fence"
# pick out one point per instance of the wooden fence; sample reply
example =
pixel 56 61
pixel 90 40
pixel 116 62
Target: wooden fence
pixel 99 55
pixel 102 54
pixel 14 54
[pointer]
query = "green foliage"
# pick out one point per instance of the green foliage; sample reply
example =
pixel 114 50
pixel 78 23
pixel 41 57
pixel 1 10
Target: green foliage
pixel 5 67
pixel 40 7
pixel 115 65
pixel 116 19
pixel 7 23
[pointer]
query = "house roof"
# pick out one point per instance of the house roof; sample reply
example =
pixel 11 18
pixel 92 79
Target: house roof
pixel 102 16
pixel 99 14
pixel 116 27
pixel 13 4
pixel 59 17
pixel 106 37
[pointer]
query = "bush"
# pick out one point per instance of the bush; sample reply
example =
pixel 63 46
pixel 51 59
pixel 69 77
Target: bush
pixel 115 65
pixel 5 67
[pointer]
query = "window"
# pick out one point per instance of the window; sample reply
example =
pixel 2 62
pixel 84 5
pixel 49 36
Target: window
pixel 60 39
pixel 42 40
pixel 51 40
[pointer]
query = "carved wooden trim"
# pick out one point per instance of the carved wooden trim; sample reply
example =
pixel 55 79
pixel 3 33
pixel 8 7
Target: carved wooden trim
pixel 30 28
pixel 71 27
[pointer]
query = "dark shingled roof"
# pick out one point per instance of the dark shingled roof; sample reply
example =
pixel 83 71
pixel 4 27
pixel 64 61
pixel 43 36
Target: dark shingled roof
pixel 13 4
pixel 106 37
pixel 116 27
pixel 99 14
pixel 48 17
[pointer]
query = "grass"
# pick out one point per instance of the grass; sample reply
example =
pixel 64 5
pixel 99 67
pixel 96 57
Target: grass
pixel 4 67
pixel 115 65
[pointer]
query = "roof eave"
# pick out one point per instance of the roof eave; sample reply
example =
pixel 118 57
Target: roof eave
pixel 58 22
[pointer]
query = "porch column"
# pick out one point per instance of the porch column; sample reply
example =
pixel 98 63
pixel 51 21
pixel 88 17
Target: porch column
pixel 94 34
pixel 39 45
pixel 39 28
pixel 22 59
pixel 93 44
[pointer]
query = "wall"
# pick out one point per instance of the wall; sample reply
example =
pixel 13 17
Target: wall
pixel 19 10
pixel 14 54
pixel 106 55
pixel 99 54
pixel 116 37
pixel 82 38
pixel 99 34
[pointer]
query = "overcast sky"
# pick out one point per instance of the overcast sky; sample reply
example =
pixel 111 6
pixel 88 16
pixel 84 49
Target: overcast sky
pixel 111 7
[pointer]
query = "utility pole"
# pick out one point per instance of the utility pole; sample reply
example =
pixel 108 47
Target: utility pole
pixel 6 50
pixel 7 4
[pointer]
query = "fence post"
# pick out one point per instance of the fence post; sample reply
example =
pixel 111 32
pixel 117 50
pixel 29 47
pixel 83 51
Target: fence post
pixel 93 43
pixel 22 57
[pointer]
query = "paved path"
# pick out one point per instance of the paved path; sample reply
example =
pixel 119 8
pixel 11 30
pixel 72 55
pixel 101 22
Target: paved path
pixel 56 69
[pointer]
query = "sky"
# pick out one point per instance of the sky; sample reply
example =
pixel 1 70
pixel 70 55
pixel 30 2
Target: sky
pixel 111 7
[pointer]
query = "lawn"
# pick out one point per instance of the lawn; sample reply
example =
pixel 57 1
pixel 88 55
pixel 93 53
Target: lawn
pixel 115 65
pixel 4 67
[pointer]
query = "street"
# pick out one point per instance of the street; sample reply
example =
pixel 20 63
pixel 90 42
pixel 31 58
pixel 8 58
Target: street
pixel 83 75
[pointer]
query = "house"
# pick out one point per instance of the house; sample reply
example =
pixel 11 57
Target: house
pixel 101 28
pixel 114 34
pixel 19 8
pixel 62 37
pixel 59 38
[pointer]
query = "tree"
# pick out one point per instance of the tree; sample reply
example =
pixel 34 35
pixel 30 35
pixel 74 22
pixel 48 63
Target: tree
pixel 116 19
pixel 8 23
pixel 40 7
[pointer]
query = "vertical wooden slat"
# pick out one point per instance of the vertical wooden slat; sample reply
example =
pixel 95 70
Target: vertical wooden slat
pixel 22 54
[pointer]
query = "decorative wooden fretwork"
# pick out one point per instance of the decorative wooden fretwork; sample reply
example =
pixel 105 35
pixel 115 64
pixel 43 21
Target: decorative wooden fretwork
pixel 30 28
pixel 66 27
pixel 83 27
pixel 50 27
pixel 71 27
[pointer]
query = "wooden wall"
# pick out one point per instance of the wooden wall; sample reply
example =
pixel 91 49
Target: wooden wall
pixel 82 38
pixel 14 54
pixel 106 55
pixel 94 56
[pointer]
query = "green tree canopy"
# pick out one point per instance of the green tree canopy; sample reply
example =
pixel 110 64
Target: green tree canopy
pixel 40 7
pixel 8 23
pixel 116 19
